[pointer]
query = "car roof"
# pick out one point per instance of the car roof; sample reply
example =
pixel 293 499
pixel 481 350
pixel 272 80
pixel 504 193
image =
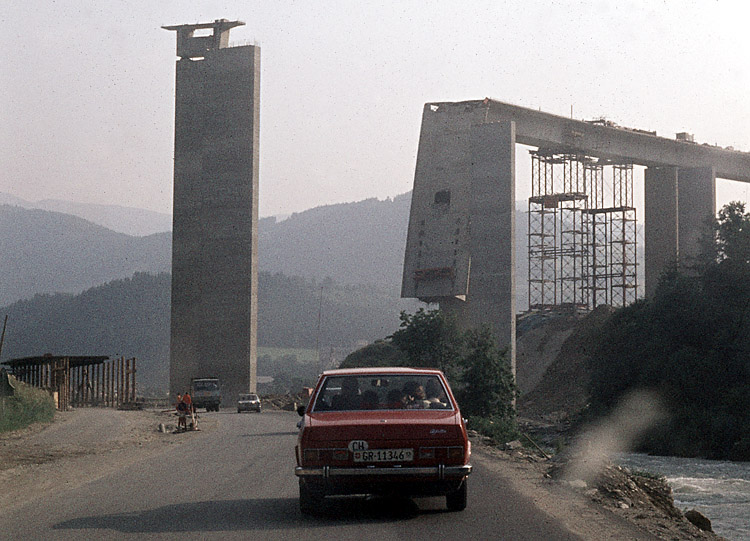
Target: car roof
pixel 380 370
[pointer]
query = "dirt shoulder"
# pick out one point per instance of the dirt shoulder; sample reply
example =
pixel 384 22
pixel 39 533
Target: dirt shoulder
pixel 78 447
pixel 87 444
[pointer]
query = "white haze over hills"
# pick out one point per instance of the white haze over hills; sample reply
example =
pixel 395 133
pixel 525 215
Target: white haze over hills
pixel 131 221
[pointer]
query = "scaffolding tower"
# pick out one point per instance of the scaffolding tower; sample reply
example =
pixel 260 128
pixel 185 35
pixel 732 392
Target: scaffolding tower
pixel 582 232
pixel 557 231
pixel 623 235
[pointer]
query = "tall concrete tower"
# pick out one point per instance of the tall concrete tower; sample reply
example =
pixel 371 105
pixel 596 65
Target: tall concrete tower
pixel 215 238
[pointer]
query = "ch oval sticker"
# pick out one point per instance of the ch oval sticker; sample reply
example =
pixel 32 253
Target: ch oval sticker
pixel 358 445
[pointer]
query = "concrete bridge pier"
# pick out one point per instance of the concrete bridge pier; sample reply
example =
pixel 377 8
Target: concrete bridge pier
pixel 678 203
pixel 491 296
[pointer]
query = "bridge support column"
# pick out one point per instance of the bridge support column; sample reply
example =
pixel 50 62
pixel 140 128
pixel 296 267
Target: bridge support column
pixel 491 297
pixel 696 205
pixel 661 223
pixel 678 201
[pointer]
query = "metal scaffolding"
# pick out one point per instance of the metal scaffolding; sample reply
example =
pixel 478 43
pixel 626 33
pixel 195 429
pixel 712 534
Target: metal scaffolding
pixel 557 231
pixel 623 235
pixel 582 232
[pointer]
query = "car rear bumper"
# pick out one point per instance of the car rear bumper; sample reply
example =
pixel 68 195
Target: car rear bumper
pixel 428 472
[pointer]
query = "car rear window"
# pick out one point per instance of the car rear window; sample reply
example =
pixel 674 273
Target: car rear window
pixel 382 392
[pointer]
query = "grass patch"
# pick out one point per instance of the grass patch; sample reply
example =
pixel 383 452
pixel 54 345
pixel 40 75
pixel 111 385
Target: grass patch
pixel 27 406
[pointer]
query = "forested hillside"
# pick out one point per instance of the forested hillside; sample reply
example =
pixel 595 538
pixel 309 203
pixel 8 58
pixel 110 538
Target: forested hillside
pixel 131 317
pixel 689 344
pixel 352 243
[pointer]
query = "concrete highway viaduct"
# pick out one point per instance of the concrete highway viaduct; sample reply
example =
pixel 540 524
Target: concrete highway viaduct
pixel 460 248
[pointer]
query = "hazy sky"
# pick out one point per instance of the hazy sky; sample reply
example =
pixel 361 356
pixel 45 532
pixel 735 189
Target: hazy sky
pixel 88 86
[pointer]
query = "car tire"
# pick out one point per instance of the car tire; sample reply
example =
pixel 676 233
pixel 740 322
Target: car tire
pixel 309 500
pixel 456 500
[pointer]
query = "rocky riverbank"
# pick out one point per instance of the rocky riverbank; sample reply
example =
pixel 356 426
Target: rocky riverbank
pixel 640 498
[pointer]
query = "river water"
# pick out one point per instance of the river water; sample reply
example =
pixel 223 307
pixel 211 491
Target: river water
pixel 720 490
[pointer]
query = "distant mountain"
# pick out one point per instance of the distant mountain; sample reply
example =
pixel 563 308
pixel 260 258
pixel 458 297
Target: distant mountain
pixel 353 243
pixel 51 252
pixel 131 221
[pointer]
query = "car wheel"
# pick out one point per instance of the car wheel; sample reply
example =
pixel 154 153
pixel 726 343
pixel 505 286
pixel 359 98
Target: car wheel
pixel 309 500
pixel 456 501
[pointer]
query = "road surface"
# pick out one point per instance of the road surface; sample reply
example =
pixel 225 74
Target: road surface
pixel 234 480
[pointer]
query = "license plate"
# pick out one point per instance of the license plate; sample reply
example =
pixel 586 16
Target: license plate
pixel 384 455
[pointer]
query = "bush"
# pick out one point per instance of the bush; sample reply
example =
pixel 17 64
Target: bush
pixel 487 388
pixel 430 339
pixel 500 428
pixel 27 406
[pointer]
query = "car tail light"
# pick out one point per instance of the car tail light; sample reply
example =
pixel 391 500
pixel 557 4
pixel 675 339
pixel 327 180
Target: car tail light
pixel 455 452
pixel 427 452
pixel 340 454
pixel 441 453
pixel 311 455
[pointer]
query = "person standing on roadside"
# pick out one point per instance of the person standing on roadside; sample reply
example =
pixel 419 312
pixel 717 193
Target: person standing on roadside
pixel 182 411
pixel 190 408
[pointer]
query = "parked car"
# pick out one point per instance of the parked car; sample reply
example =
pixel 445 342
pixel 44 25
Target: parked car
pixel 382 431
pixel 248 402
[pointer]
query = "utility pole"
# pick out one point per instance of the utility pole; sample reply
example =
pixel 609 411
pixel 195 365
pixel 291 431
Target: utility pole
pixel 317 338
pixel 2 337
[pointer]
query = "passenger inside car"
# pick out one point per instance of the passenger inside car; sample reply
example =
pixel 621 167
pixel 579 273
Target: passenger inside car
pixel 394 400
pixel 370 400
pixel 435 395
pixel 349 399
pixel 414 396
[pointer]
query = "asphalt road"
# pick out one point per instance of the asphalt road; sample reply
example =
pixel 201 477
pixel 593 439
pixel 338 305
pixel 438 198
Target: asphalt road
pixel 236 481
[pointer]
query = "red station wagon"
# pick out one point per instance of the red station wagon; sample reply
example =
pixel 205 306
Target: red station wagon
pixel 382 431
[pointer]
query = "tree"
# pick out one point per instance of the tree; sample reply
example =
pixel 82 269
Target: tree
pixel 732 230
pixel 487 387
pixel 691 343
pixel 430 339
pixel 379 353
